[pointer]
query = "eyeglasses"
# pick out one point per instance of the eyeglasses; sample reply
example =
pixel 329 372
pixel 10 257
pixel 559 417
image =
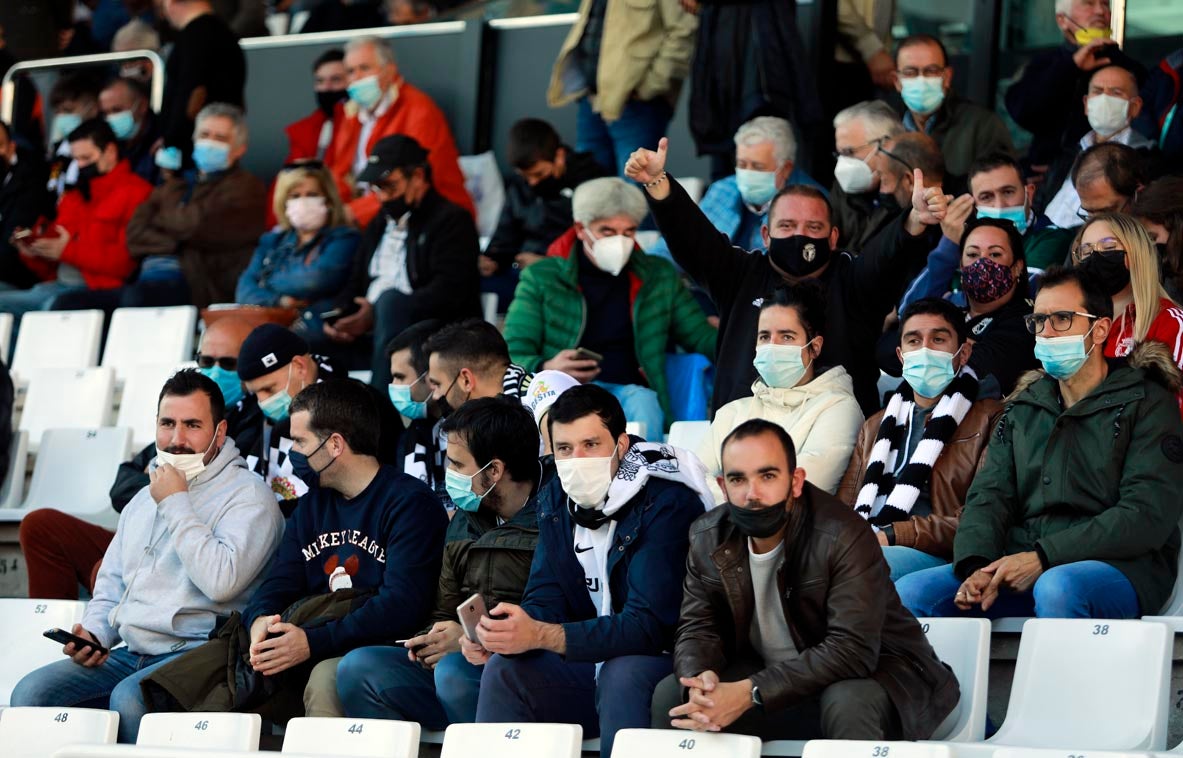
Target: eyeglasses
pixel 912 72
pixel 1061 320
pixel 848 152
pixel 896 158
pixel 312 164
pixel 1109 247
pixel 208 361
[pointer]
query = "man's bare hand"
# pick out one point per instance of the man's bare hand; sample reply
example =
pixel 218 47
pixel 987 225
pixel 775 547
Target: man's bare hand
pixel 645 166
pixel 441 639
pixel 958 213
pixel 473 652
pixel 1092 56
pixel 881 67
pixel 87 656
pixel 569 362
pixel 277 654
pixel 166 481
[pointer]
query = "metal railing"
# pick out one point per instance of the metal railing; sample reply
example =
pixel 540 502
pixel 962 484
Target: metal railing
pixel 8 86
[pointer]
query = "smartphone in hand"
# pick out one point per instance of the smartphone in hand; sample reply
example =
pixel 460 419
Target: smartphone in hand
pixel 470 612
pixel 64 637
pixel 583 354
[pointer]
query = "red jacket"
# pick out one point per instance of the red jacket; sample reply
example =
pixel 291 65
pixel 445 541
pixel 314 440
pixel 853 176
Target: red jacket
pixel 98 227
pixel 416 115
pixel 1166 328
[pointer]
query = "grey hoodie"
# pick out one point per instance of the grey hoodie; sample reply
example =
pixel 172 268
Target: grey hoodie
pixel 173 568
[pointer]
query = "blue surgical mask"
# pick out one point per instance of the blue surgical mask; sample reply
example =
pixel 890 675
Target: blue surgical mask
pixel 755 187
pixel 275 408
pixel 780 366
pixel 123 123
pixel 366 91
pixel 1016 214
pixel 400 397
pixel 211 155
pixel 1062 357
pixel 928 372
pixel 228 382
pixel 459 489
pixel 923 94
pixel 63 124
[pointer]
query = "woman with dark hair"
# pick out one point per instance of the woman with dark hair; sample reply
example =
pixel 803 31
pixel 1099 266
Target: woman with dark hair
pixel 1159 206
pixel 814 404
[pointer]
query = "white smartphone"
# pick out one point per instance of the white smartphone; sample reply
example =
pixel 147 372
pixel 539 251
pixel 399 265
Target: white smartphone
pixel 470 612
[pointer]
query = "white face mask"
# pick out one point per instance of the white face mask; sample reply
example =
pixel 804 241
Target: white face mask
pixel 586 480
pixel 189 464
pixel 1107 114
pixel 854 176
pixel 610 254
pixel 306 213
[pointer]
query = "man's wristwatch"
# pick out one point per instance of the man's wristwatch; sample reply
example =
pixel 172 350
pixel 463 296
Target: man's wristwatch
pixel 889 533
pixel 757 700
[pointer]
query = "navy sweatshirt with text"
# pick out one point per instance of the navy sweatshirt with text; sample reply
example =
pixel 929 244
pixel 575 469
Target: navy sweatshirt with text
pixel 390 538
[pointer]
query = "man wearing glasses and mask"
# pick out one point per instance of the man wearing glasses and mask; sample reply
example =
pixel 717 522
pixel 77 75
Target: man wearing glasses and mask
pixel 1075 512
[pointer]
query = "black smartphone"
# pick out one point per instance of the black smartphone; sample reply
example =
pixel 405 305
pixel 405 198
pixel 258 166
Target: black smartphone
pixel 64 637
pixel 336 314
pixel 583 354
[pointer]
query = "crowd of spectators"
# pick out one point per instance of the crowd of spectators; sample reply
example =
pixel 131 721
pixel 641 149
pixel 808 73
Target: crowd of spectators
pixel 948 384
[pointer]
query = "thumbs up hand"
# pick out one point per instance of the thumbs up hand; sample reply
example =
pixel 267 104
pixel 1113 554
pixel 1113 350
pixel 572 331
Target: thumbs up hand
pixel 645 166
pixel 929 204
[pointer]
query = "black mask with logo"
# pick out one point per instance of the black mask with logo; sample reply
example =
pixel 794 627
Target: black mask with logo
pixel 327 100
pixel 799 255
pixel 759 522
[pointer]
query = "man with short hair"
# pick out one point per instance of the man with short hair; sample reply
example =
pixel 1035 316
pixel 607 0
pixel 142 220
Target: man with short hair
pixel 417 258
pixel 537 206
pixel 468 360
pixel 1075 512
pixel 612 300
pixel 859 131
pixel 896 161
pixel 361 526
pixel 23 175
pixel 402 12
pixel 311 136
pixel 1106 179
pixel 420 446
pixel 1112 103
pixel 790 627
pixel 196 538
pixel 73 99
pixel 801 238
pixel 964 131
pixel 590 640
pixel 206 66
pixel 124 103
pixel 86 247
pixel 493 478
pixel 913 499
pixel 382 103
pixel 765 163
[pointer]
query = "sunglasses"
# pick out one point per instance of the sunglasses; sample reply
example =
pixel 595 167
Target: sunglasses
pixel 208 361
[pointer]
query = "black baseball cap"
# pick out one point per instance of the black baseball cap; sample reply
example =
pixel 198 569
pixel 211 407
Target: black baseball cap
pixel 389 153
pixel 268 348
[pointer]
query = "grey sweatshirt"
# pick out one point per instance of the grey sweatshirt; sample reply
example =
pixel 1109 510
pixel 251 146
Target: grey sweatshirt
pixel 173 568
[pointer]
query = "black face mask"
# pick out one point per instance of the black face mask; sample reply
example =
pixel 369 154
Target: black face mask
pixel 1108 270
pixel 1161 247
pixel 86 175
pixel 888 201
pixel 548 188
pixel 799 255
pixel 303 469
pixel 396 208
pixel 759 522
pixel 327 99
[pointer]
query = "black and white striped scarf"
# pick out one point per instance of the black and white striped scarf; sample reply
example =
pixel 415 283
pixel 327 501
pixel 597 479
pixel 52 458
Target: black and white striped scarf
pixel 902 493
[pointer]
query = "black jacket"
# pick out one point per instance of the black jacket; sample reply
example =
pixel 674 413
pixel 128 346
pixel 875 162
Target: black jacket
pixel 858 217
pixel 860 291
pixel 22 200
pixel 442 248
pixel 206 57
pixel 530 222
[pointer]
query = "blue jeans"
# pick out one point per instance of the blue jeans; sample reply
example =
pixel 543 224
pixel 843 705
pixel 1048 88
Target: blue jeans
pixel 382 683
pixel 544 687
pixel 641 124
pixel 114 685
pixel 1086 589
pixel 640 404
pixel 908 560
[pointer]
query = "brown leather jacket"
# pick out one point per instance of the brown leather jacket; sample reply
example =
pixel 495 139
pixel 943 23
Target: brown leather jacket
pixel 951 477
pixel 841 607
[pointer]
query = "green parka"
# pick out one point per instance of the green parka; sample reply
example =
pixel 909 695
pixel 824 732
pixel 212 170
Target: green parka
pixel 549 314
pixel 1102 480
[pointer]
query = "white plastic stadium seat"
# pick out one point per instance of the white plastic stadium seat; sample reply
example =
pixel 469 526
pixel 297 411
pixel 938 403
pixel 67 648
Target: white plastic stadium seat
pixel 694 186
pixel 24 648
pixel 362 375
pixel 637 428
pixel 872 749
pixel 512 741
pixel 57 339
pixel 1034 752
pixel 37 732
pixel 137 406
pixel 688 434
pixel 1174 604
pixel 489 302
pixel 5 335
pixel 18 463
pixel 1085 685
pixel 67 399
pixel 74 472
pixel 964 644
pixel 352 738
pixel 678 743
pixel 149 335
pixel 205 731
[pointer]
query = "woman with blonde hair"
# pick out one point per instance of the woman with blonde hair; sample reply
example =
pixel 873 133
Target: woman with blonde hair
pixel 305 261
pixel 1116 250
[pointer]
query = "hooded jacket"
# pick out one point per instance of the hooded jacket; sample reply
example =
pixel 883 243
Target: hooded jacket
pixel 1101 480
pixel 175 566
pixel 823 418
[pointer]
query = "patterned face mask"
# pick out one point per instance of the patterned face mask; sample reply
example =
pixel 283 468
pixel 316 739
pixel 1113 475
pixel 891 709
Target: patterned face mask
pixel 984 281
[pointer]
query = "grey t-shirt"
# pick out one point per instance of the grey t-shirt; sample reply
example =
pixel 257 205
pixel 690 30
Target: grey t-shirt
pixel 770 634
